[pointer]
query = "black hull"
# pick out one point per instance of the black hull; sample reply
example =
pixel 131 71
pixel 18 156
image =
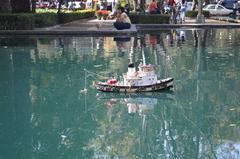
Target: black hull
pixel 164 84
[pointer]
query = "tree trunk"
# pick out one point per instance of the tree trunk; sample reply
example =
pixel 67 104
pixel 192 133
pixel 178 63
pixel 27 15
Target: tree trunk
pixel 60 2
pixel 194 4
pixel 142 5
pixel 20 6
pixel 5 6
pixel 207 2
pixel 135 5
pixel 33 6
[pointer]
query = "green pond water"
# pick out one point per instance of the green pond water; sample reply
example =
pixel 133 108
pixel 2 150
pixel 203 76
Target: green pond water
pixel 46 114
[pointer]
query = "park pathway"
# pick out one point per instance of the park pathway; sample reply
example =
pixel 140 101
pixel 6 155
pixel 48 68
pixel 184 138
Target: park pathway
pixel 105 27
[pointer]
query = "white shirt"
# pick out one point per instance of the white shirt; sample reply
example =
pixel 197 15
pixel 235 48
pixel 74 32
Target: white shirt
pixel 125 18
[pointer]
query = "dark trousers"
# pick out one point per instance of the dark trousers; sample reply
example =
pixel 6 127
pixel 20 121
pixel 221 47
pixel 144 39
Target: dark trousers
pixel 157 11
pixel 234 13
pixel 121 25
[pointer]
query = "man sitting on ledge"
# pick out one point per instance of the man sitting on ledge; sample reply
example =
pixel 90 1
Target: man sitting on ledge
pixel 122 20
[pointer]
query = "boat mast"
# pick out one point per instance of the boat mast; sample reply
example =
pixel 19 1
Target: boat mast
pixel 131 54
pixel 85 82
pixel 143 57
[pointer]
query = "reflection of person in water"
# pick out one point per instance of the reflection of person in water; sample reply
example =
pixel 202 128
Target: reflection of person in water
pixel 176 36
pixel 180 36
pixel 120 47
pixel 169 38
pixel 99 43
pixel 132 108
pixel 111 103
pixel 153 40
pixel 122 44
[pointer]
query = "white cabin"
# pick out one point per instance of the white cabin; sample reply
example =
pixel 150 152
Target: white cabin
pixel 144 76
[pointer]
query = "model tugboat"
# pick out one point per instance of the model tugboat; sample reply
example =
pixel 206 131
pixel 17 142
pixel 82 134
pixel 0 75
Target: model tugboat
pixel 143 80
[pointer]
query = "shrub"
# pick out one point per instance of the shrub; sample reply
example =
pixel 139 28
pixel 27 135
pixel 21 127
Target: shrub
pixel 29 21
pixel 80 14
pixel 16 21
pixel 98 13
pixel 50 19
pixel 193 14
pixel 105 14
pixel 45 19
pixel 101 13
pixel 149 18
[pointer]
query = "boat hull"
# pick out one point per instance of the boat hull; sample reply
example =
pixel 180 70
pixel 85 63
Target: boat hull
pixel 163 84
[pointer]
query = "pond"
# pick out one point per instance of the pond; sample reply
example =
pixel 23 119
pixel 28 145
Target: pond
pixel 45 112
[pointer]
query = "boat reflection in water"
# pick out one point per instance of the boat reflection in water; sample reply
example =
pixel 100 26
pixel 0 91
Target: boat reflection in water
pixel 131 120
pixel 136 103
pixel 139 105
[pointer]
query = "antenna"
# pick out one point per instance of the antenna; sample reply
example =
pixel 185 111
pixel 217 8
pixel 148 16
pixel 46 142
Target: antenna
pixel 85 82
pixel 131 55
pixel 143 57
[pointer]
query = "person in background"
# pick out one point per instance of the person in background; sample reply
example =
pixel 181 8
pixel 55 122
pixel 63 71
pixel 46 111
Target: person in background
pixel 182 35
pixel 127 9
pixel 122 20
pixel 183 10
pixel 153 8
pixel 113 14
pixel 171 3
pixel 166 8
pixel 238 9
pixel 235 9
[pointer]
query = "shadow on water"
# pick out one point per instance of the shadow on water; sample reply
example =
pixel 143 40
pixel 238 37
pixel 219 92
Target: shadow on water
pixel 163 95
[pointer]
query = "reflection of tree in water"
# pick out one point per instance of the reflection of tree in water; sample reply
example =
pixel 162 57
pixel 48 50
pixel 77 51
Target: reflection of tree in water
pixel 172 129
pixel 198 123
pixel 14 96
pixel 56 132
pixel 162 131
pixel 114 137
pixel 185 130
pixel 179 129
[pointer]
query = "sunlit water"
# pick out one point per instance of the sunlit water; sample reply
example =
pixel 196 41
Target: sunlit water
pixel 46 112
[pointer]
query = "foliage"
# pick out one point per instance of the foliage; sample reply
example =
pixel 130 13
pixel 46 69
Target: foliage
pixel 101 13
pixel 104 12
pixel 52 10
pixel 193 14
pixel 46 10
pixel 149 19
pixel 21 6
pixel 98 13
pixel 16 21
pixel 43 19
pixel 80 14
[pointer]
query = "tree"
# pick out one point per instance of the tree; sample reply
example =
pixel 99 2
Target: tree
pixel 33 6
pixel 60 2
pixel 194 4
pixel 20 6
pixel 5 6
pixel 142 5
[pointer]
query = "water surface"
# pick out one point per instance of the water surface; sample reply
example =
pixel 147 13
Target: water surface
pixel 46 114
